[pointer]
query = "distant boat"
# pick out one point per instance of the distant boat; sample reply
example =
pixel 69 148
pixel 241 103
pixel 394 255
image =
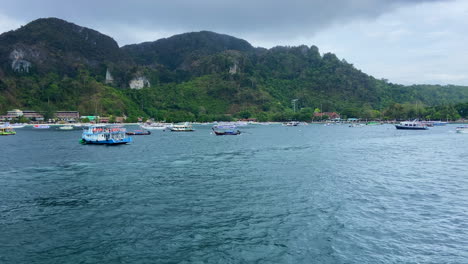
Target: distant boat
pixel 373 123
pixel 156 126
pixel 291 123
pixel 41 126
pixel 225 130
pixel 356 125
pixel 183 127
pixel 439 123
pixel 138 133
pixel 428 123
pixel 412 125
pixel 68 127
pixel 103 135
pixel 7 131
pixel 17 125
pixel 462 129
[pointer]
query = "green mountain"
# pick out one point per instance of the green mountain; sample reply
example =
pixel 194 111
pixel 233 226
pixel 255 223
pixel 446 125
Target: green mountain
pixel 50 64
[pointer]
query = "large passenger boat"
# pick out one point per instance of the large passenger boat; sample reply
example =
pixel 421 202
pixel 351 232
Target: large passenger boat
pixel 184 127
pixel 104 135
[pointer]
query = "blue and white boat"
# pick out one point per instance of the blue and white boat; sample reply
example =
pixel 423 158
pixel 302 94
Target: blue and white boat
pixel 103 135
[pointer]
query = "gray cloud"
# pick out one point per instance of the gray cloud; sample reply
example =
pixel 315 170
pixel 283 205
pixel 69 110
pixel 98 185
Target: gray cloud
pixel 267 19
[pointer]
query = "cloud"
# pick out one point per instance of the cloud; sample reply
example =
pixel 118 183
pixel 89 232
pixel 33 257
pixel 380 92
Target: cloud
pixel 266 19
pixel 405 41
pixel 426 43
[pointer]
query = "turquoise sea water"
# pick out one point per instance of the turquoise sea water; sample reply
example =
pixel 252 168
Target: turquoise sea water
pixel 274 194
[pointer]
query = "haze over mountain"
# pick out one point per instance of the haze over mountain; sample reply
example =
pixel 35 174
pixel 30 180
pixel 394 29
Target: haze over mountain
pixel 50 64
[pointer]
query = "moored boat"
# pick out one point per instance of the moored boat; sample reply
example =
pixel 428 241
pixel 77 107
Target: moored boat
pixel 373 123
pixel 68 127
pixel 17 125
pixel 138 133
pixel 412 125
pixel 156 126
pixel 103 135
pixel 462 129
pixel 225 130
pixel 7 131
pixel 185 127
pixel 439 123
pixel 291 123
pixel 41 126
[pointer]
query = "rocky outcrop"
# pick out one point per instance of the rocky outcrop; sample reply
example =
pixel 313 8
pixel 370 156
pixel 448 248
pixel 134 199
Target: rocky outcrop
pixel 109 78
pixel 139 83
pixel 18 62
pixel 234 68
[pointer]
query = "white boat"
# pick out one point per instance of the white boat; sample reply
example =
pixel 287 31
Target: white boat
pixel 68 127
pixel 412 125
pixel 183 127
pixel 462 130
pixel 156 126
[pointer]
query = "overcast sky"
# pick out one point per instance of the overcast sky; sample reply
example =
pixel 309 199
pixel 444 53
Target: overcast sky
pixel 404 41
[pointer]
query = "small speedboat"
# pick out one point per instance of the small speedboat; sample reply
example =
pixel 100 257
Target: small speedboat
pixel 138 133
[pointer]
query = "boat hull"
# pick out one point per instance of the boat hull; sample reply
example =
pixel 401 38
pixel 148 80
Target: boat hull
pixel 138 133
pixel 185 130
pixel 106 142
pixel 8 134
pixel 410 128
pixel 233 133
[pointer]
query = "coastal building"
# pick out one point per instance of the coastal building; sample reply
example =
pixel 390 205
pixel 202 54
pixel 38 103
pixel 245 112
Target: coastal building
pixel 33 115
pixel 70 116
pixel 120 119
pixel 331 115
pixel 15 113
pixel 104 119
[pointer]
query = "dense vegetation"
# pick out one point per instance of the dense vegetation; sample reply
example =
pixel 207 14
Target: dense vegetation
pixel 201 76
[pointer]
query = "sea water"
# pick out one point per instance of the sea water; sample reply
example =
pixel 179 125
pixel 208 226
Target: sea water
pixel 274 194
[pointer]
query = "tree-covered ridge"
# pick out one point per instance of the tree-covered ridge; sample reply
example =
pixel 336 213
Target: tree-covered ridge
pixel 54 45
pixel 198 76
pixel 177 52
